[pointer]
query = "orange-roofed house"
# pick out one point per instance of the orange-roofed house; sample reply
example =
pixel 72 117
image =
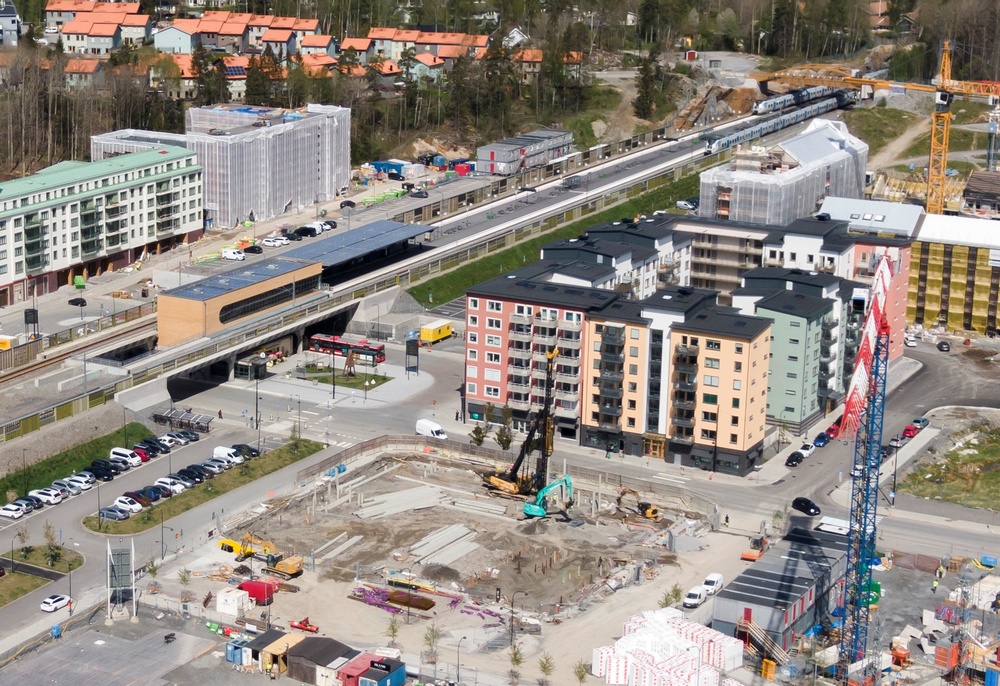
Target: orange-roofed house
pixel 528 63
pixel 303 28
pixel 317 65
pixel 136 29
pixel 257 26
pixel 83 73
pixel 387 70
pixel 354 72
pixel 381 40
pixel 281 42
pixel 235 69
pixel 428 66
pixel 59 12
pixel 180 38
pixel 315 44
pixel 392 46
pixel 362 48
pixel 118 7
pixel 233 35
pixel 573 62
pixel 208 33
pixel 85 38
pixel 185 88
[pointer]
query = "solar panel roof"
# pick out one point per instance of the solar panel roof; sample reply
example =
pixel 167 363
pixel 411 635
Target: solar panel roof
pixel 237 278
pixel 344 247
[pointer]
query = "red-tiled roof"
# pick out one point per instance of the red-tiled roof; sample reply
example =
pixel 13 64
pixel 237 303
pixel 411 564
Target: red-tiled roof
pixel 381 33
pixel 356 44
pixel 529 55
pixel 314 41
pixel 306 24
pixel 210 26
pixel 452 51
pixel 80 66
pixel 405 36
pixel 428 59
pixel 185 63
pixel 233 28
pixel 261 20
pixel 276 36
pixel 188 26
pixel 387 68
pixel 356 71
pixel 283 23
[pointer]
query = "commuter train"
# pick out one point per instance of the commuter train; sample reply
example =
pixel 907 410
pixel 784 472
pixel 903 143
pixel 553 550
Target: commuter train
pixel 842 99
pixel 800 97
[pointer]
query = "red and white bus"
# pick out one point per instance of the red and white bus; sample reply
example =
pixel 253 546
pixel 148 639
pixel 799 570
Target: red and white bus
pixel 367 352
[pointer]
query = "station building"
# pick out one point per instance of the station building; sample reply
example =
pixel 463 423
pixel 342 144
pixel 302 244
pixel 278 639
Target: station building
pixel 75 220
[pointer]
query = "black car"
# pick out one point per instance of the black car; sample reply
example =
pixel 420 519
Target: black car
pixel 806 506
pixel 330 224
pixel 36 501
pixel 291 235
pixel 395 176
pixel 944 346
pixel 190 435
pixel 346 203
pixel 101 474
pixel 305 232
pixel 198 469
pixel 419 194
pixel 794 460
pixel 254 250
pixel 246 450
pixel 156 443
pixel 191 474
pixel 107 465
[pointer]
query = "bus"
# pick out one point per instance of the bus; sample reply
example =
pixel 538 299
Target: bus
pixel 365 351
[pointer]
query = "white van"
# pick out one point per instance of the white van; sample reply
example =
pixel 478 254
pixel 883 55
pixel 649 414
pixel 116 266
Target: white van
pixel 233 254
pixel 130 456
pixel 713 583
pixel 695 597
pixel 222 452
pixel 426 427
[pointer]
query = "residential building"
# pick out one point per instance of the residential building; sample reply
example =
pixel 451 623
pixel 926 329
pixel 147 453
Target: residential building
pixel 428 67
pixel 528 62
pixel 304 157
pixel 83 219
pixel 789 180
pixel 84 73
pixel 982 195
pixel 10 24
pixel 673 247
pixel 317 64
pixel 185 86
pixel 281 42
pixel 318 43
pixel 361 47
pixel 84 38
pixel 635 267
pixel 60 12
pixel 180 38
pixel 388 72
pixel 531 149
pixel 235 67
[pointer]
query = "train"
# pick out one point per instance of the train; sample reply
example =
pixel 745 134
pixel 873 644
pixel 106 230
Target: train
pixel 800 97
pixel 841 99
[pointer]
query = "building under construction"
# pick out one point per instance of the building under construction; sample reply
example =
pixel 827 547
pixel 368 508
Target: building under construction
pixel 259 162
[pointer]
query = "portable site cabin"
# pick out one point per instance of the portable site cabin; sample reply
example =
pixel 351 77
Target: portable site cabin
pixel 309 660
pixel 233 602
pixel 252 650
pixel 277 652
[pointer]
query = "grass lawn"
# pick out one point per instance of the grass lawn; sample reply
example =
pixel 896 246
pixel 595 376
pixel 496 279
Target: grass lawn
pixel 877 126
pixel 968 112
pixel 321 375
pixel 972 479
pixel 239 475
pixel 958 139
pixel 600 101
pixel 963 168
pixel 452 285
pixel 37 556
pixel 61 465
pixel 17 585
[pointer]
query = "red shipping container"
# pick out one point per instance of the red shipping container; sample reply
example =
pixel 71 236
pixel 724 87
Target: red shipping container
pixel 462 169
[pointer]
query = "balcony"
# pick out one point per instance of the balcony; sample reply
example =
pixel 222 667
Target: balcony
pixel 520 353
pixel 522 319
pixel 519 385
pixel 613 358
pixel 91 247
pixel 538 373
pixel 686 439
pixel 611 410
pixel 567 394
pixel 682 349
pixel 686 368
pixel 520 336
pixel 550 320
pixel 167 225
pixel 523 405
pixel 162 187
pixel 565 412
pixel 545 339
pixel 684 404
pixel 611 427
pixel 687 422
pixel 569 362
pixel 116 225
pixel 166 212
pixel 115 210
pixel 613 336
pixel 686 386
pixel 611 375
pixel 35 263
pixel 570 343
pixel 572 326
pixel 611 391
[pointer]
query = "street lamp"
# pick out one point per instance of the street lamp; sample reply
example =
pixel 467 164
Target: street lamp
pixel 333 378
pixel 512 596
pixel 299 399
pixel 458 660
pixel 256 378
pixel 368 382
pixel 24 468
pixel 12 554
pixel 409 587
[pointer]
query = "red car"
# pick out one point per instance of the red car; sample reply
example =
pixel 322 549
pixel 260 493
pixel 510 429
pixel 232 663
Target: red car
pixel 834 430
pixel 910 431
pixel 141 452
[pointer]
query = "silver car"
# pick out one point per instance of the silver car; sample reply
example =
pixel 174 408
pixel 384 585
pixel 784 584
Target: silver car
pixel 66 487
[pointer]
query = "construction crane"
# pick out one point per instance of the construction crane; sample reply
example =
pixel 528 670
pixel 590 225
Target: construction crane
pixel 539 507
pixel 647 510
pixel 865 408
pixel 512 481
pixel 945 89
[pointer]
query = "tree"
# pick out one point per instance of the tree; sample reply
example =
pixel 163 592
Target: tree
pixel 184 577
pixel 477 435
pixel 23 534
pixel 152 569
pixel 392 630
pixel 644 103
pixel 516 657
pixel 257 88
pixel 53 551
pixel 671 597
pixel 547 666
pixel 581 670
pixel 504 436
pixel 432 634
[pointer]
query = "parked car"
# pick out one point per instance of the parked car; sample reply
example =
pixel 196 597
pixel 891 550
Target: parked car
pixel 11 511
pixel 944 346
pixel 274 241
pixel 330 224
pixel 346 203
pixel 805 506
pixel 49 496
pixel 26 505
pixel 292 236
pixel 899 441
pixel 713 583
pixel 115 514
pixel 66 488
pixel 121 463
pixel 154 448
pixel 36 501
pixel 395 176
pixel 219 462
pixel 106 465
pixel 695 597
pixel 246 450
pixel 80 481
pixel 164 491
pixel 233 254
pixel 794 460
pixel 174 485
pixel 691 203
pixel 191 474
pixel 185 481
pixel 150 493
pixel 305 232
pixel 139 497
pixel 156 443
pixel 419 194
pixel 833 430
pixel 253 250
pixel 192 436
pixel 910 341
pixel 170 441
pixel 909 431
pixel 179 437
pixel 55 602
pixel 199 470
pixel 127 503
pixel 807 449
pixel 822 440
pixel 142 452
pixel 212 466
pixel 921 422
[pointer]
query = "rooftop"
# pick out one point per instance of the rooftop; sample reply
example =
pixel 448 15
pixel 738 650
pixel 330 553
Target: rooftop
pixel 523 286
pixel 237 278
pixel 726 323
pixel 983 183
pixel 681 299
pixel 875 216
pixel 795 304
pixel 819 279
pixel 344 247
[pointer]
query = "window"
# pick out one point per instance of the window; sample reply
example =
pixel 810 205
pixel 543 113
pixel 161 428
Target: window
pixel 491 374
pixel 473 303
pixel 631 387
pixel 630 422
pixel 494 306
pixel 792 256
pixel 711 363
pixel 737 384
pixel 790 391
pixel 493 341
pixel 793 341
pixel 633 369
pixel 739 348
pixel 795 324
pixel 713 345
pixel 470 389
pixel 471 372
pixel 492 392
pixel 793 358
pixel 809 259
pixel 708 434
pixel 473 337
pixel 473 354
pixel 734 420
pixel 710 399
pixel 733 438
pixel 492 323
pixel 792 375
pixel 709 416
pixel 473 320
pixel 736 403
pixel 711 380
pixel 633 334
pixel 493 358
pixel 631 404
pixel 633 351
pixel 737 367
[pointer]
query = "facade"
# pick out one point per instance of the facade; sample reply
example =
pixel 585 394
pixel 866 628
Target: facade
pixel 82 219
pixel 321 44
pixel 532 149
pixel 59 12
pixel 428 67
pixel 635 266
pixel 181 38
pixel 84 38
pixel 790 180
pixel 361 47
pixel 10 24
pixel 281 42
pixel 264 162
pixel 81 73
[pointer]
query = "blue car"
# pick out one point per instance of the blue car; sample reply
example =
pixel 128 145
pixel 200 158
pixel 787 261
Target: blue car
pixel 821 440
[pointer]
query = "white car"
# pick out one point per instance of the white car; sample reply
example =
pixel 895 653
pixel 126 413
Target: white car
pixel 170 441
pixel 213 467
pixel 910 342
pixel 807 449
pixel 181 440
pixel 695 597
pixel 50 30
pixel 126 503
pixel 49 496
pixel 274 241
pixel 55 602
pixel 11 511
pixel 79 481
pixel 174 485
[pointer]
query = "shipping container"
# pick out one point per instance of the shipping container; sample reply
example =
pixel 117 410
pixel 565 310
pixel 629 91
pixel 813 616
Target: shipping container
pixel 437 330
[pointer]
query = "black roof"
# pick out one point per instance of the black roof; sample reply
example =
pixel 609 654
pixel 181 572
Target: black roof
pixel 520 286
pixel 265 639
pixel 836 234
pixel 983 184
pixel 319 649
pixel 598 246
pixel 783 274
pixel 344 247
pixel 683 299
pixel 725 322
pixel 798 304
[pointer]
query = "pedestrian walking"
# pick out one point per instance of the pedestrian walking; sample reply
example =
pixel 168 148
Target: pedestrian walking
pixel 220 414
pixel 456 415
pixel 726 522
pixel 934 586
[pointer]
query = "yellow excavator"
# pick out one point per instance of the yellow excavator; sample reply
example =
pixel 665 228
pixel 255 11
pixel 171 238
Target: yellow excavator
pixel 248 546
pixel 647 510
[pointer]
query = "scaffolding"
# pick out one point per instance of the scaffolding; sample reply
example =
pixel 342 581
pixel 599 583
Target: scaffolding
pixel 258 162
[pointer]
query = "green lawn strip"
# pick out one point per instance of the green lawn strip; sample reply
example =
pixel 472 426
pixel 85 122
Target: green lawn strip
pixel 59 466
pixel 18 585
pixel 452 285
pixel 316 373
pixel 971 479
pixel 877 126
pixel 959 140
pixel 232 479
pixel 38 556
pixel 968 112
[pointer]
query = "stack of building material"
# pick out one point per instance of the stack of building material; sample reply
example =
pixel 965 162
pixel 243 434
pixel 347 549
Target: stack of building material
pixel 401 501
pixel 661 648
pixel 444 546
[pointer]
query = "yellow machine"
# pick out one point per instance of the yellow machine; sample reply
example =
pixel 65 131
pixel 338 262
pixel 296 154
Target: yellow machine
pixel 647 510
pixel 284 567
pixel 944 92
pixel 249 546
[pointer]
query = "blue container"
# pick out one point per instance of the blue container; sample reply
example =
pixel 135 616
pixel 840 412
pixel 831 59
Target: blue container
pixel 341 468
pixel 439 161
pixel 234 650
pixel 56 631
pixel 988 561
pixel 992 677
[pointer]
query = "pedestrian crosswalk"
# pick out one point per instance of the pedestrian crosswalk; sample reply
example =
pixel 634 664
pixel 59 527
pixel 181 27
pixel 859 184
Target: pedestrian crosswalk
pixel 671 478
